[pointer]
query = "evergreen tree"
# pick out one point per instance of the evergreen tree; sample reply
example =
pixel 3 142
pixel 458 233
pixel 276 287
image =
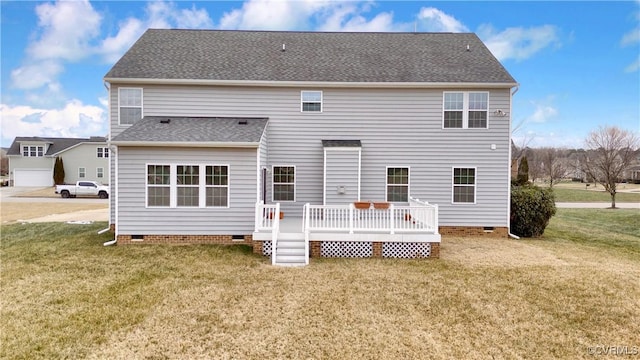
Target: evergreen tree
pixel 58 172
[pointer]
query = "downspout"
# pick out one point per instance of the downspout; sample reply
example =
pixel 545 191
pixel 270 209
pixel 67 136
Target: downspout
pixel 108 87
pixel 513 236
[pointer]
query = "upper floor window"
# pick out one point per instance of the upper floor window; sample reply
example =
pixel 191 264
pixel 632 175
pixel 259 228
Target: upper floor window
pixel 33 151
pixel 398 184
pixel 129 105
pixel 311 101
pixel 284 183
pixel 464 185
pixel 464 110
pixel 103 152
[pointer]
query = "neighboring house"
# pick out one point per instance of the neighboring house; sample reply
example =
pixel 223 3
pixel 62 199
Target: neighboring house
pixel 31 160
pixel 215 132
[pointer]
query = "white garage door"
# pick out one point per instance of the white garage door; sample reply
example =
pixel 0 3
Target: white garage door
pixel 32 177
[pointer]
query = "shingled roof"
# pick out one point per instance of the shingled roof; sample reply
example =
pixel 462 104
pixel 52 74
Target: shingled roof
pixel 310 57
pixel 162 130
pixel 57 144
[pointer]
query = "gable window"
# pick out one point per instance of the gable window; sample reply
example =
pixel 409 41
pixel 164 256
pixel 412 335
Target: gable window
pixel 465 110
pixel 284 185
pixel 217 185
pixel 99 172
pixel 464 185
pixel 311 101
pixel 188 180
pixel 33 151
pixel 158 185
pixel 82 172
pixel 103 152
pixel 129 105
pixel 397 184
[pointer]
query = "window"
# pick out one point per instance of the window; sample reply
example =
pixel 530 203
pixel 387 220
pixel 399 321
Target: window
pixel 398 184
pixel 284 185
pixel 188 180
pixel 464 185
pixel 130 105
pixel 464 110
pixel 103 152
pixel 99 172
pixel 158 185
pixel 82 172
pixel 311 101
pixel 33 151
pixel 217 185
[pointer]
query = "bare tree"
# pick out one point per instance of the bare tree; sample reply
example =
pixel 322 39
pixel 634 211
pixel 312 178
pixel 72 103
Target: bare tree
pixel 553 164
pixel 610 150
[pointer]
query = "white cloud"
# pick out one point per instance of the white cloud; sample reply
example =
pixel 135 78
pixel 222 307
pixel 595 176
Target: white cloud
pixel 518 43
pixel 67 28
pixel 631 37
pixel 435 20
pixel 634 66
pixel 37 74
pixel 74 119
pixel 542 113
pixel 273 14
pixel 113 47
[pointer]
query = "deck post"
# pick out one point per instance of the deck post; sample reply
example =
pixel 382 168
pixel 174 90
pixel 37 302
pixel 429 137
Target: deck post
pixel 351 207
pixel 392 225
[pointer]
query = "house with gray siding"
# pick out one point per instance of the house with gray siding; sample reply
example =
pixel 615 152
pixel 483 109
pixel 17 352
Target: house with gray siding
pixel 308 143
pixel 31 160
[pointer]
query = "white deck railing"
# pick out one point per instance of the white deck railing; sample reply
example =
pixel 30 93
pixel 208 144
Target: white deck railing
pixel 418 217
pixel 267 217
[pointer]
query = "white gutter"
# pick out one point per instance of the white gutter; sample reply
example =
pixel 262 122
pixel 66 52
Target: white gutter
pixel 320 84
pixel 513 236
pixel 251 145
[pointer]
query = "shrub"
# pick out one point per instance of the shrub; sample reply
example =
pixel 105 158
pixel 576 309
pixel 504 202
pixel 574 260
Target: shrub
pixel 531 209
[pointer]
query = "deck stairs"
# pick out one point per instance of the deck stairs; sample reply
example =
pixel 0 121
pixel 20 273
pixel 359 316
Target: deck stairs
pixel 290 250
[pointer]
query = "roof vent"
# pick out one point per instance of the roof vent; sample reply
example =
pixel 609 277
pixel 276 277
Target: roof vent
pixel 284 47
pixel 243 122
pixel 468 48
pixel 165 121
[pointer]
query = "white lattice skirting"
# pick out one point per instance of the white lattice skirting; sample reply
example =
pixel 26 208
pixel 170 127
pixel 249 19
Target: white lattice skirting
pixel 266 248
pixel 346 249
pixel 406 250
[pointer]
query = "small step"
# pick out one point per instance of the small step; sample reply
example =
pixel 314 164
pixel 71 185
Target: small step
pixel 291 236
pixel 289 251
pixel 290 260
pixel 290 245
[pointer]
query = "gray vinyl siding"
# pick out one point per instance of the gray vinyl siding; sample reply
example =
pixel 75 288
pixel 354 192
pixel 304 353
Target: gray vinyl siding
pixel 135 218
pixel 341 171
pixel 86 156
pixel 397 127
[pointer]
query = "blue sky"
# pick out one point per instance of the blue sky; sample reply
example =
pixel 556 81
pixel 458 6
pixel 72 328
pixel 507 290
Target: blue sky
pixel 578 63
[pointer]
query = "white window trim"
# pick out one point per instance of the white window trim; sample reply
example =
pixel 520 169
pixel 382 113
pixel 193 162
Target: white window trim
pixel 465 109
pixel 321 102
pixel 141 103
pixel 146 186
pixel 38 149
pixel 82 170
pixel 105 150
pixel 295 186
pixel 203 180
pixel 475 185
pixel 386 184
pixel 99 170
pixel 173 186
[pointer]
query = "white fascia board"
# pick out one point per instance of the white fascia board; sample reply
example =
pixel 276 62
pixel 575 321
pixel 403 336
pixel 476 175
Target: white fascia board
pixel 310 84
pixel 187 144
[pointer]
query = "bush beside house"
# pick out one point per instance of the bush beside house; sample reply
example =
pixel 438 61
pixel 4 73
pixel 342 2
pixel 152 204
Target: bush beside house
pixel 531 209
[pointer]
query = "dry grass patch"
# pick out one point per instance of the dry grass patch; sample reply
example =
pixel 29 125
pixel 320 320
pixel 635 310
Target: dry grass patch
pixel 64 295
pixel 15 211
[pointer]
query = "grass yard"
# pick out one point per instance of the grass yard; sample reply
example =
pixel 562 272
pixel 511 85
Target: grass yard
pixel 64 295
pixel 577 192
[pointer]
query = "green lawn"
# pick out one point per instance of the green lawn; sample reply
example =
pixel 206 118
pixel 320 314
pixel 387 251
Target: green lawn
pixel 581 195
pixel 64 295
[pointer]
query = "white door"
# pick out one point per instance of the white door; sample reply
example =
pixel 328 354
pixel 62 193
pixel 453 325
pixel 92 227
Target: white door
pixel 32 177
